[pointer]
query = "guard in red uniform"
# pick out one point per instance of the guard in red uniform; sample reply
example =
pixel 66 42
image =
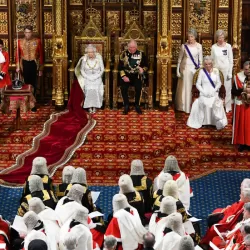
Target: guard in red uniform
pixel 4 67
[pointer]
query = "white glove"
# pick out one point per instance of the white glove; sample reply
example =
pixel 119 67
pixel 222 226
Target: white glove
pixel 178 71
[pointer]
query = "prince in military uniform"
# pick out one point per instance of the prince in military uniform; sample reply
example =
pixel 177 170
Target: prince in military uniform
pixel 132 68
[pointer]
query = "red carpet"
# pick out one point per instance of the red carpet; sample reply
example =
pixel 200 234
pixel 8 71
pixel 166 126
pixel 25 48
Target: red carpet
pixel 116 139
pixel 63 133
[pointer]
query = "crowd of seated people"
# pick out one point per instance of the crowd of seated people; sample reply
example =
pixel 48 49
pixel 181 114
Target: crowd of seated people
pixel 146 215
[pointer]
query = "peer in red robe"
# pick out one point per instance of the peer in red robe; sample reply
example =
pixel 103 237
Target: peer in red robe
pixel 4 67
pixel 241 115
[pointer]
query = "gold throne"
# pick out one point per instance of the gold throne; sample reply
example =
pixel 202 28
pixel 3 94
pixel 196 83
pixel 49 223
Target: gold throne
pixel 92 35
pixel 145 44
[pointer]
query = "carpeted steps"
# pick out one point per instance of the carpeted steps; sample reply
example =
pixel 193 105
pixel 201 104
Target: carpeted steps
pixel 117 139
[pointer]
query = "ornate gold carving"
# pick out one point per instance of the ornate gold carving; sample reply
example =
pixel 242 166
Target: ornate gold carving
pixel 130 17
pixel 48 28
pixel 48 2
pixel 176 45
pixel 223 3
pixel 176 23
pixel 76 18
pixel 113 19
pixel 206 46
pixel 177 3
pixel 48 49
pixel 58 25
pixel 5 43
pixel 200 16
pixel 75 2
pixel 3 23
pixel 26 14
pixel 3 2
pixel 149 2
pixel 165 17
pixel 223 21
pixel 96 16
pixel 149 21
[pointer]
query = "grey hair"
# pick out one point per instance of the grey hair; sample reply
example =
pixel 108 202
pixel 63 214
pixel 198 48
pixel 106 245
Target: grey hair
pixel 247 206
pixel 207 58
pixel 192 32
pixel 132 41
pixel 110 242
pixel 247 239
pixel 246 63
pixel 220 33
pixel 245 228
pixel 90 47
pixel 246 194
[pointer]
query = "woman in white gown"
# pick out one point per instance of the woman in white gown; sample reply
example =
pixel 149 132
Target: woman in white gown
pixel 89 72
pixel 222 55
pixel 189 60
pixel 208 108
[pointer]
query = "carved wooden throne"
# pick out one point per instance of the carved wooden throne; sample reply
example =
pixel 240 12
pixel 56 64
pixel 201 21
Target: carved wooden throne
pixel 92 35
pixel 145 44
pixel 196 92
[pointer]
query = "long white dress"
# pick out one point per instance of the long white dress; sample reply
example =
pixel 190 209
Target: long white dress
pixel 208 108
pixel 89 74
pixel 183 97
pixel 223 60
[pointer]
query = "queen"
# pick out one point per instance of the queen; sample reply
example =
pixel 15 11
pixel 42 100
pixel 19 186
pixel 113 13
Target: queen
pixel 89 71
pixel 189 61
pixel 208 108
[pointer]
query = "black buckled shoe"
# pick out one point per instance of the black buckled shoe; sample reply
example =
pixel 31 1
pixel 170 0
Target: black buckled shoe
pixel 241 148
pixel 126 109
pixel 34 109
pixel 138 109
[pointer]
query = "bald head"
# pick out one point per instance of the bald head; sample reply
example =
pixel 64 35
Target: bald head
pixel 148 240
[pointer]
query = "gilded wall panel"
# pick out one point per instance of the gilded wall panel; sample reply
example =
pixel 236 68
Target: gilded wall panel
pixel 176 23
pixel 96 16
pixel 48 49
pixel 206 46
pixel 3 23
pixel 113 19
pixel 200 16
pixel 76 20
pixel 149 20
pixel 130 17
pixel 223 3
pixel 223 21
pixel 48 27
pixel 177 3
pixel 26 14
pixel 75 2
pixel 5 43
pixel 176 46
pixel 3 2
pixel 48 2
pixel 149 2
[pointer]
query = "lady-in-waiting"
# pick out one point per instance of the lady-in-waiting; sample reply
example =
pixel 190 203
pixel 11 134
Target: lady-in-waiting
pixel 208 108
pixel 89 71
pixel 189 61
pixel 222 55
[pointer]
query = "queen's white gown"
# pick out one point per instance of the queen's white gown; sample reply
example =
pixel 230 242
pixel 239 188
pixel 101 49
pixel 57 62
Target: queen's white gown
pixel 208 108
pixel 89 75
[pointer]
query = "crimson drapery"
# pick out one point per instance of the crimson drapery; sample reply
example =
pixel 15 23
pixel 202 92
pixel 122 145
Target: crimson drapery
pixel 62 135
